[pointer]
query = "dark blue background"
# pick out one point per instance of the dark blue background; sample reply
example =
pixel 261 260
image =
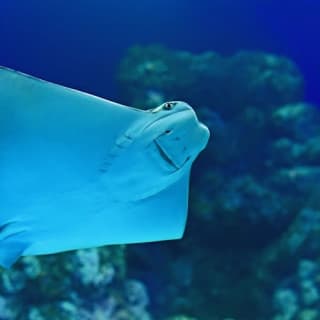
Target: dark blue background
pixel 79 43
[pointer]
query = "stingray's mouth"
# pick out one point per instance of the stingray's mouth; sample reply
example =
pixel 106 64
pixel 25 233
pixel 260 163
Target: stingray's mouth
pixel 164 155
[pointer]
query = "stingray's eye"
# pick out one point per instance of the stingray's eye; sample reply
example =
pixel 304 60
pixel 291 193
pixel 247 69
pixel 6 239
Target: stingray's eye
pixel 168 106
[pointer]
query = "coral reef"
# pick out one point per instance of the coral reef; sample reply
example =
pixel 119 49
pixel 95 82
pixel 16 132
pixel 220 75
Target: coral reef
pixel 299 296
pixel 253 211
pixel 152 74
pixel 82 285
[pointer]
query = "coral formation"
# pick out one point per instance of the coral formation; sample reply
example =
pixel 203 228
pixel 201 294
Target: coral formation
pixel 83 285
pixel 298 297
pixel 253 210
pixel 249 79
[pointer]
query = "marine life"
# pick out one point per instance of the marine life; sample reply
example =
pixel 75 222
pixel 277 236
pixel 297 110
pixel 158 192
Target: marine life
pixel 78 171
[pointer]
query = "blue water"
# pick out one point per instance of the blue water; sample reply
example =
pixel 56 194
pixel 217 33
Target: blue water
pixel 80 43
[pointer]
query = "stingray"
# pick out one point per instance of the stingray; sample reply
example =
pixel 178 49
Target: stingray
pixel 78 171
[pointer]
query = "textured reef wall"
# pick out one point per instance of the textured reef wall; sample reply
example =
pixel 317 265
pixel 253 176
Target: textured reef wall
pixel 251 249
pixel 254 208
pixel 83 285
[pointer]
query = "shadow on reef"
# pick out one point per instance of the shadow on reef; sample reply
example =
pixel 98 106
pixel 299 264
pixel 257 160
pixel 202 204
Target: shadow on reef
pixel 252 219
pixel 251 248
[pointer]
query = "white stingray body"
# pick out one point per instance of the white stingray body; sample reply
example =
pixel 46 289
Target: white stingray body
pixel 78 171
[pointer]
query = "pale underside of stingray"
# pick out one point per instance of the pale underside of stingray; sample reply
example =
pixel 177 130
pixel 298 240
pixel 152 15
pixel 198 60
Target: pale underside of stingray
pixel 78 171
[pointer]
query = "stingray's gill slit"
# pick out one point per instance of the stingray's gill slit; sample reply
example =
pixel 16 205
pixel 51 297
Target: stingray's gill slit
pixel 6 229
pixel 120 144
pixel 3 228
pixel 11 229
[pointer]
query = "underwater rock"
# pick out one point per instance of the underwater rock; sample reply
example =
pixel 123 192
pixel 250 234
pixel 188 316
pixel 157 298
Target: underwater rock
pixel 136 294
pixel 286 303
pixel 297 178
pixel 298 120
pixel 7 311
pixel 299 296
pixel 245 79
pixel 90 271
pixel 252 189
pixel 80 285
pixel 181 317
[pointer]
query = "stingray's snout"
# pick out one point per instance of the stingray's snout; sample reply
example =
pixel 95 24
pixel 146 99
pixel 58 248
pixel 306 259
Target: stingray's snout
pixel 196 140
pixel 203 136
